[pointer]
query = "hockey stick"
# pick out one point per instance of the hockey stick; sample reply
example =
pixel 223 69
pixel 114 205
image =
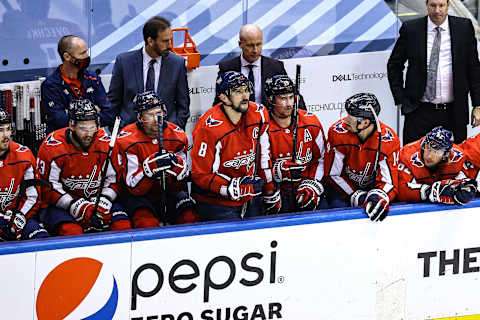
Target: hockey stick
pixel 113 138
pixel 295 132
pixel 163 177
pixel 255 167
pixel 25 184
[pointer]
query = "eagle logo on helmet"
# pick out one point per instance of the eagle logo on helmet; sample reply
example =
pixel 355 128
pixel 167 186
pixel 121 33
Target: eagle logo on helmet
pixel 415 159
pixel 212 122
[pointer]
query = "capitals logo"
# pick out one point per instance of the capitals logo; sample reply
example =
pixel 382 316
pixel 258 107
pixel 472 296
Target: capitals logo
pixel 78 288
pixel 338 127
pixel 415 159
pixel 388 136
pixel 456 155
pixel 212 122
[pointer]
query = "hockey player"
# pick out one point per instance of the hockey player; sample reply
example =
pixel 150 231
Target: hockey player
pixel 231 145
pixel 432 170
pixel 307 173
pixel 362 159
pixel 144 164
pixel 18 206
pixel 72 159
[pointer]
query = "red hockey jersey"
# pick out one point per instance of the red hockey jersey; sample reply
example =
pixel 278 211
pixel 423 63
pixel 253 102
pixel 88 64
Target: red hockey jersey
pixel 412 172
pixel 471 148
pixel 222 150
pixel 17 165
pixel 134 146
pixel 74 173
pixel 310 145
pixel 349 163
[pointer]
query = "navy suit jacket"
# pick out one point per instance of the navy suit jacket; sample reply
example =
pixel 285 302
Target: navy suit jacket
pixel 127 81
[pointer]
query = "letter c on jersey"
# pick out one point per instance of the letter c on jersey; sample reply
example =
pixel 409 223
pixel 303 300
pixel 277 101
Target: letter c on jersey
pixel 67 285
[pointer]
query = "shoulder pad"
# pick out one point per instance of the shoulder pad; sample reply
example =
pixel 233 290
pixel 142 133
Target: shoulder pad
pixel 51 141
pixel 211 122
pixel 456 155
pixel 22 148
pixel 387 135
pixel 338 127
pixel 416 161
pixel 123 134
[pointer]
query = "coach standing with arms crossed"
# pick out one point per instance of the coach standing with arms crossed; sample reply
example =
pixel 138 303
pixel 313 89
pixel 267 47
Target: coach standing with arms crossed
pixel 443 67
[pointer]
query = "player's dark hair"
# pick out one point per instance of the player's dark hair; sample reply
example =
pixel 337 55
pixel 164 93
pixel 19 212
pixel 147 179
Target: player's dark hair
pixel 65 44
pixel 153 26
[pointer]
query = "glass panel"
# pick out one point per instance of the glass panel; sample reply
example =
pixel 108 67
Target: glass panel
pixel 29 33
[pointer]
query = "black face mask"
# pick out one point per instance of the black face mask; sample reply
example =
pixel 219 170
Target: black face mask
pixel 81 64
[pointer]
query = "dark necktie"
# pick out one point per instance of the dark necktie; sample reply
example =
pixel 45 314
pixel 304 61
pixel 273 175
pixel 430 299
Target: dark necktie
pixel 252 80
pixel 431 89
pixel 150 85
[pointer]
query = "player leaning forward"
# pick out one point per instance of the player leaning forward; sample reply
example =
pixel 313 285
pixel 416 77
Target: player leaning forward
pixel 19 199
pixel 153 164
pixel 306 173
pixel 433 169
pixel 362 158
pixel 230 156
pixel 71 160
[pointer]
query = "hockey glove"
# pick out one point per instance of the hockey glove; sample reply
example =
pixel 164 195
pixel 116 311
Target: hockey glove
pixel 286 170
pixel 157 162
pixel 17 222
pixel 377 204
pixel 244 187
pixel 272 203
pixel 82 211
pixel 358 198
pixel 103 218
pixel 465 192
pixel 442 192
pixel 309 194
pixel 185 208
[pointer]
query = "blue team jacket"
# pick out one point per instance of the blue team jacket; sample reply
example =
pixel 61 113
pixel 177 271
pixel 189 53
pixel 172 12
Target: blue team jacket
pixel 57 95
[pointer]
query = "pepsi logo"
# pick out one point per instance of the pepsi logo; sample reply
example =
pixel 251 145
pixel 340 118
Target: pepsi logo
pixel 79 288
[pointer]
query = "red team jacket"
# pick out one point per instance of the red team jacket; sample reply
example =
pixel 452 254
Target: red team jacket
pixel 349 163
pixel 222 151
pixel 74 173
pixel 16 165
pixel 134 146
pixel 310 145
pixel 412 173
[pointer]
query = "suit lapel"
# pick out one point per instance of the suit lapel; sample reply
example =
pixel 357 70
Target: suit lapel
pixel 238 65
pixel 262 76
pixel 164 72
pixel 138 69
pixel 423 44
pixel 453 44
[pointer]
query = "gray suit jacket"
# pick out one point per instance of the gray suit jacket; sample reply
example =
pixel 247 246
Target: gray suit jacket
pixel 127 81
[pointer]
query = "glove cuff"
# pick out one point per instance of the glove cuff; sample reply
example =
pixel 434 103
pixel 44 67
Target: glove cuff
pixel 357 197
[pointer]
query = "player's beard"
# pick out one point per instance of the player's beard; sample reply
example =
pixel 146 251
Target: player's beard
pixel 84 142
pixel 162 53
pixel 241 106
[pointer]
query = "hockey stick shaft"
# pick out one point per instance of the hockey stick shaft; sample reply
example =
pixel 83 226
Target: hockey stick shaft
pixel 295 130
pixel 113 139
pixel 163 177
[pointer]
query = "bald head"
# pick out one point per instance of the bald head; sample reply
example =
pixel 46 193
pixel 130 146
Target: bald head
pixel 250 42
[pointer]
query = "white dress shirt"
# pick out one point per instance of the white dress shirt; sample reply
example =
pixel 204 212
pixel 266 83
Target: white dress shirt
pixel 257 75
pixel 444 74
pixel 156 68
